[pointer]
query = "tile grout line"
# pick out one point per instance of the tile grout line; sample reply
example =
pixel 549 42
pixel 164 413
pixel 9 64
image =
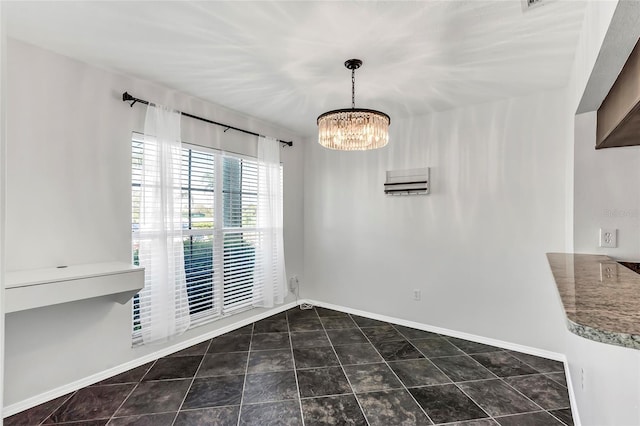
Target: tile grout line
pixel 496 377
pixel 545 375
pixel 456 384
pixel 476 380
pixel 74 392
pixel 525 413
pixel 532 367
pixel 293 361
pixel 393 372
pixel 246 372
pixel 122 403
pixel 475 402
pixel 510 352
pixel 438 368
pixel 191 384
pixel 130 393
pixel 252 403
pixel 355 396
pixel 57 408
pixel 525 396
pixel 330 395
pixel 565 382
pixel 525 375
pixel 434 364
pixel 557 418
pixel 202 408
pixel 521 393
pixel 462 353
pixel 462 390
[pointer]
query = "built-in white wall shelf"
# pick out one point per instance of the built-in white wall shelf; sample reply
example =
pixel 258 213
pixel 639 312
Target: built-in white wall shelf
pixel 407 182
pixel 29 289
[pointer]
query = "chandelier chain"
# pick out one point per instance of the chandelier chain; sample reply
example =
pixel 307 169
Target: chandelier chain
pixel 353 88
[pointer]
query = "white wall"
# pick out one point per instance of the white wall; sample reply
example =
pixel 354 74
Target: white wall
pixel 606 193
pixel 597 18
pixel 475 246
pixel 606 382
pixel 69 202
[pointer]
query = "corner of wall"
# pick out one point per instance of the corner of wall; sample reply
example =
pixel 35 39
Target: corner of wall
pixel 3 182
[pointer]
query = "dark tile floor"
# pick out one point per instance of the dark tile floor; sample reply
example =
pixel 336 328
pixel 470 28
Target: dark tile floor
pixel 323 367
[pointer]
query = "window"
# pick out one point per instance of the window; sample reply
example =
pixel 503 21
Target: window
pixel 219 205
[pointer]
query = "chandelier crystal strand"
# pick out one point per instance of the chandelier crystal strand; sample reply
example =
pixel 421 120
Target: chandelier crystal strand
pixel 354 129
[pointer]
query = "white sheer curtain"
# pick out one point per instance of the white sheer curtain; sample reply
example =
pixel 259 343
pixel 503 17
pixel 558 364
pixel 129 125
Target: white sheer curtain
pixel 164 304
pixel 269 284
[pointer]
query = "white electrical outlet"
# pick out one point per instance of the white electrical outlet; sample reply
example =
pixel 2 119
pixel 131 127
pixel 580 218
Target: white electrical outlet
pixel 608 237
pixel 417 294
pixel 583 379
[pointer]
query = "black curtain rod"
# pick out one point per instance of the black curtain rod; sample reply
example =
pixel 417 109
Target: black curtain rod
pixel 127 97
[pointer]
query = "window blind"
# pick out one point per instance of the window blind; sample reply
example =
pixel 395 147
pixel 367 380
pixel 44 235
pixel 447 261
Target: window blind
pixel 198 177
pixel 240 184
pixel 219 206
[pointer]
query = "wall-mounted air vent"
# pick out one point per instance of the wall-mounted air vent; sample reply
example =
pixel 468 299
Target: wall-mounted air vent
pixel 530 4
pixel 407 182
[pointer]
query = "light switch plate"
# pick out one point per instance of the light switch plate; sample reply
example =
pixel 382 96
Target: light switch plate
pixel 608 237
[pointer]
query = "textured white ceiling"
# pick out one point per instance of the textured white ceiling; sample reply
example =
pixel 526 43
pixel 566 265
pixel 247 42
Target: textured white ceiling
pixel 283 61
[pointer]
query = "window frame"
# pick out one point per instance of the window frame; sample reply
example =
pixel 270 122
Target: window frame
pixel 220 308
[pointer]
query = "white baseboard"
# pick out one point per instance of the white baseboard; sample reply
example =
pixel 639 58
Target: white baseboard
pixel 447 332
pixel 17 407
pixel 572 396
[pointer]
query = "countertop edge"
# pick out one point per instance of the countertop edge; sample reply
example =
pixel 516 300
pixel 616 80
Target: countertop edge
pixel 625 340
pixel 616 338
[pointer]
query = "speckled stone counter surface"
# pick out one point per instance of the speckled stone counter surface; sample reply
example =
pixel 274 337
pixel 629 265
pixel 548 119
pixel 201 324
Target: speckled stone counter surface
pixel 601 298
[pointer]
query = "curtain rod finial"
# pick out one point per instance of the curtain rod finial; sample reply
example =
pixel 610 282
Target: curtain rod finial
pixel 127 97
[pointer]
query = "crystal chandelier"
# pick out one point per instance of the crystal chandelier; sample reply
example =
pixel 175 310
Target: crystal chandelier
pixel 353 129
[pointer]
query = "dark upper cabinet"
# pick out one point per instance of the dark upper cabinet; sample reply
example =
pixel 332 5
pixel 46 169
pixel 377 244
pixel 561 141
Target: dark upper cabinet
pixel 619 114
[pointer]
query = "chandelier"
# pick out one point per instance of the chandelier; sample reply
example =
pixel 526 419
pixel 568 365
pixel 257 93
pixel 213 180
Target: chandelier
pixel 353 129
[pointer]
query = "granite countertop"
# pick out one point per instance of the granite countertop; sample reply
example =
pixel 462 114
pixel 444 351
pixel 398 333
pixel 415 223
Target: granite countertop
pixel 601 298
